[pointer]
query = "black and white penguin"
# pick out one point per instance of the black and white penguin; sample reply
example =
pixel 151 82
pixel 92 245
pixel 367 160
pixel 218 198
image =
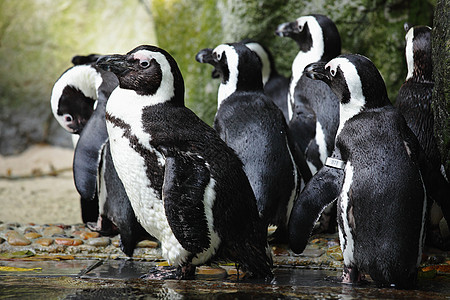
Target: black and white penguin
pixel 375 173
pixel 186 186
pixel 313 108
pixel 73 100
pixel 96 178
pixel 414 101
pixel 254 127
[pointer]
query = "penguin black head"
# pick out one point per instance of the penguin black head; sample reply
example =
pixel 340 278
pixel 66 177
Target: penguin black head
pixel 239 67
pixel 355 80
pixel 418 52
pixel 149 71
pixel 85 59
pixel 74 96
pixel 313 33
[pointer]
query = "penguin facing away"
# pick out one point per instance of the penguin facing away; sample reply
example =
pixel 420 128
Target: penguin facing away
pixel 254 127
pixel 414 101
pixel 313 108
pixel 186 187
pixel 96 178
pixel 375 175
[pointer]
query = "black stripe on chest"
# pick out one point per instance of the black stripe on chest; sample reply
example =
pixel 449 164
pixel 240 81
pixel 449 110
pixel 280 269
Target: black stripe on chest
pixel 154 172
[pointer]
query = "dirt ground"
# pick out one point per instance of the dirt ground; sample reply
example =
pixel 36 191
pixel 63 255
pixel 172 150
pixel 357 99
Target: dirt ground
pixel 37 187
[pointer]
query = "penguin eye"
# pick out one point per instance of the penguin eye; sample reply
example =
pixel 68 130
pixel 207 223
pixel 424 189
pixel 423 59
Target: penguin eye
pixel 67 118
pixel 333 72
pixel 144 64
pixel 300 27
pixel 218 56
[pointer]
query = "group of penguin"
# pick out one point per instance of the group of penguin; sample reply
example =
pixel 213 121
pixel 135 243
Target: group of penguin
pixel 282 152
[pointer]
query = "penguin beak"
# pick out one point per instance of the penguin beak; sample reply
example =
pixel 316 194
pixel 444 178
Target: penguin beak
pixel 205 56
pixel 116 63
pixel 286 29
pixel 317 71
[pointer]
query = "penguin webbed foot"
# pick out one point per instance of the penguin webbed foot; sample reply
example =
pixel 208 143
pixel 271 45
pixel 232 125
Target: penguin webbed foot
pixel 104 226
pixel 351 275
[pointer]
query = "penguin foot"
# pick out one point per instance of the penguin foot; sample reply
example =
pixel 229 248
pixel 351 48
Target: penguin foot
pixel 161 273
pixel 104 226
pixel 351 275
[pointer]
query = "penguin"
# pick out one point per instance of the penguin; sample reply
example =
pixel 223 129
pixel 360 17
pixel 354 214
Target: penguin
pixel 187 188
pixel 313 107
pixel 96 178
pixel 254 127
pixel 414 101
pixel 73 100
pixel 375 173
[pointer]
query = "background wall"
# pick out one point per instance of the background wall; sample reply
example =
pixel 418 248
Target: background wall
pixel 39 37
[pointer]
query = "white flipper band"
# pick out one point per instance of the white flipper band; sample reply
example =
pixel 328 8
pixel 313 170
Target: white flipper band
pixel 335 163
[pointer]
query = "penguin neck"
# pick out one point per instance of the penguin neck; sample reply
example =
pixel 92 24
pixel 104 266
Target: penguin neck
pixel 348 111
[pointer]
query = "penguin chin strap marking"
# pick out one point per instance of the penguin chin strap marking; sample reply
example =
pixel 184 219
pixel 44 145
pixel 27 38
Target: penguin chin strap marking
pixel 335 163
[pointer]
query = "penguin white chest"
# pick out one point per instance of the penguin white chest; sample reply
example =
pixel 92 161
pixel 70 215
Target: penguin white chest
pixel 345 229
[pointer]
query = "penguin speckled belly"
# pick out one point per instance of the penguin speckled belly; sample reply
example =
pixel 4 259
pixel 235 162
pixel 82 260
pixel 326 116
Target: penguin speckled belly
pixel 96 178
pixel 254 127
pixel 186 187
pixel 375 175
pixel 414 101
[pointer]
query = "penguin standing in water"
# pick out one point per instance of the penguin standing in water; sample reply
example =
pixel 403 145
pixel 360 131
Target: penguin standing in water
pixel 375 173
pixel 254 127
pixel 313 108
pixel 414 102
pixel 186 186
pixel 96 178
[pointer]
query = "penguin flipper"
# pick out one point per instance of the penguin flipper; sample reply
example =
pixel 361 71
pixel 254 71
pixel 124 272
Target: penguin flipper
pixel 321 190
pixel 185 181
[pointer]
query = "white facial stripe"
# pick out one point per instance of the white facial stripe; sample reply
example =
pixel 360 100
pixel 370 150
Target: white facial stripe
pixel 228 88
pixel 264 57
pixel 305 58
pixel 166 90
pixel 409 53
pixel 353 81
pixel 84 78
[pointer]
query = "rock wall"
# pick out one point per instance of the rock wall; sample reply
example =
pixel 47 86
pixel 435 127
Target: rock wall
pixel 37 41
pixel 441 73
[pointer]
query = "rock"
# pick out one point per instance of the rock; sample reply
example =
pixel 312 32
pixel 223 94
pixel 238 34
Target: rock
pixel 335 253
pixel 68 241
pixel 211 273
pixel 53 230
pixel 32 235
pixel 308 252
pixel 29 229
pixel 16 239
pixel 99 242
pixel 147 244
pixel 44 241
pixel 115 243
pixel 88 235
pixel 232 272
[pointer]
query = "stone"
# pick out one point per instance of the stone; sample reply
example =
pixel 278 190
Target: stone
pixel 53 230
pixel 44 241
pixel 147 244
pixel 211 273
pixel 335 253
pixel 68 241
pixel 116 243
pixel 16 239
pixel 232 272
pixel 308 252
pixel 99 241
pixel 88 235
pixel 29 229
pixel 32 235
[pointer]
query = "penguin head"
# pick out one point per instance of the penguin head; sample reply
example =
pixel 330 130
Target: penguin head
pixel 315 33
pixel 238 66
pixel 355 80
pixel 74 97
pixel 148 71
pixel 418 52
pixel 266 58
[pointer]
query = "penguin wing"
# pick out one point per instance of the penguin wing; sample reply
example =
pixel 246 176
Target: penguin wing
pixel 321 190
pixel 184 193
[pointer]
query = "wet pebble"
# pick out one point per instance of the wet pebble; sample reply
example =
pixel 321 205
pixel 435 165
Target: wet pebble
pixel 32 235
pixel 68 241
pixel 312 252
pixel 99 241
pixel 50 231
pixel 147 244
pixel 207 272
pixel 89 235
pixel 44 241
pixel 29 230
pixel 335 253
pixel 16 239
